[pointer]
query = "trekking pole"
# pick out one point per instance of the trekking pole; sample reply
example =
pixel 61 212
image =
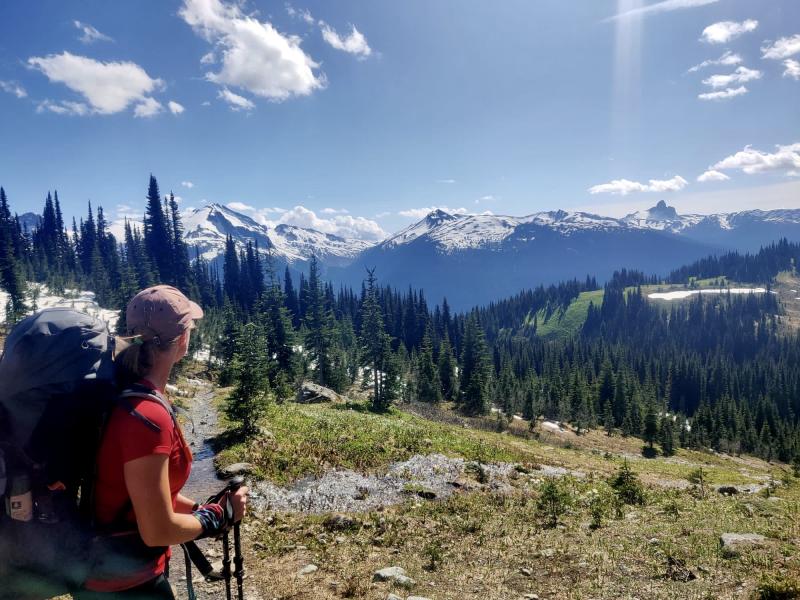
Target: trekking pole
pixel 226 564
pixel 233 485
pixel 238 561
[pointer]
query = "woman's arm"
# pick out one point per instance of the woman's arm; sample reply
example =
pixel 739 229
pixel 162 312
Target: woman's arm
pixel 183 504
pixel 147 480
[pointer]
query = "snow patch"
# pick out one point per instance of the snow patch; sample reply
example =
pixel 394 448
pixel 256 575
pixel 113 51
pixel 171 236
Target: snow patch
pixel 681 294
pixel 39 297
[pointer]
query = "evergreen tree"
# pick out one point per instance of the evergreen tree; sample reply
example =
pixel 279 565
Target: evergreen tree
pixel 250 398
pixel 447 368
pixel 11 279
pixel 157 238
pixel 475 369
pixel 318 323
pixel 429 386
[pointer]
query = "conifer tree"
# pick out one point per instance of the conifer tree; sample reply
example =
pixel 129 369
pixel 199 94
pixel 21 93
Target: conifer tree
pixel 318 319
pixel 429 386
pixel 157 239
pixel 447 368
pixel 11 279
pixel 475 369
pixel 250 398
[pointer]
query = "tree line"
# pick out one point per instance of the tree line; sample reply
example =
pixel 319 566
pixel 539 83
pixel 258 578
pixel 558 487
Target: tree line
pixel 718 372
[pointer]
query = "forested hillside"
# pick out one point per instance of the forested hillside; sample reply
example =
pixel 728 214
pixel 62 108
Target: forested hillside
pixel 712 372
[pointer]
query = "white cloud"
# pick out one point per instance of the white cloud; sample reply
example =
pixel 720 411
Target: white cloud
pixel 240 206
pixel 12 87
pixel 725 31
pixel 447 181
pixel 623 187
pixel 175 108
pixel 187 184
pixel 148 107
pixel 712 175
pixel 235 101
pixel 345 226
pixel 255 56
pixel 727 59
pixel 792 68
pixel 724 94
pixel 108 87
pixel 740 75
pixel 751 161
pixel 783 48
pixel 208 58
pixel 353 43
pixel 303 14
pixel 335 211
pixel 419 213
pixel 661 7
pixel 384 214
pixel 90 34
pixel 64 107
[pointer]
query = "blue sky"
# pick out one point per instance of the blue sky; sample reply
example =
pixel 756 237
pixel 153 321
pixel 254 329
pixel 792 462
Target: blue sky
pixel 356 117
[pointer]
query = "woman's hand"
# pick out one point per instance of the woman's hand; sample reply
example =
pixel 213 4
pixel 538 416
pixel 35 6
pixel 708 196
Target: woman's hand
pixel 239 503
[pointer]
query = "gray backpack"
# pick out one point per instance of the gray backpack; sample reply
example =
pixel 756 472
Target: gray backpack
pixel 56 391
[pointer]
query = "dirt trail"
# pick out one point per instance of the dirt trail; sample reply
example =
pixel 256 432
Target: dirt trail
pixel 200 427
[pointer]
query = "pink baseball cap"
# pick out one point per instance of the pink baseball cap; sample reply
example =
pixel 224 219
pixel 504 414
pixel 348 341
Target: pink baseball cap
pixel 162 312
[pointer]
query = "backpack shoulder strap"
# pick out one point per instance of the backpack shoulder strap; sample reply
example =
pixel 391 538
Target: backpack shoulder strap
pixel 141 391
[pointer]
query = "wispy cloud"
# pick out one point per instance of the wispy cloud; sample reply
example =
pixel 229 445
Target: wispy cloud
pixel 255 56
pixel 623 187
pixel 727 59
pixel 175 108
pixel 740 75
pixel 792 69
pixel 187 184
pixel 712 175
pixel 148 107
pixel 752 162
pixel 334 211
pixel 352 43
pixel 725 31
pixel 235 101
pixel 724 94
pixel 89 34
pixel 661 7
pixel 302 14
pixel 447 181
pixel 12 87
pixel 782 48
pixel 108 87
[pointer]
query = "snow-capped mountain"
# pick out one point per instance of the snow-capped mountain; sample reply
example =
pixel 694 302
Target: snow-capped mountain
pixel 207 228
pixel 472 259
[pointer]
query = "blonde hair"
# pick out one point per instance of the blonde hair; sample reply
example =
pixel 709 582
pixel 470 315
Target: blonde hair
pixel 135 357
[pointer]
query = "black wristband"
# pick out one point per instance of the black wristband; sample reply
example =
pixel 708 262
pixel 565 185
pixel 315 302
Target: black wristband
pixel 195 506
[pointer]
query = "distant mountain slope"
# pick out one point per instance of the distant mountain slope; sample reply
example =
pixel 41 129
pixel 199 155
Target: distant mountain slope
pixel 206 228
pixel 473 259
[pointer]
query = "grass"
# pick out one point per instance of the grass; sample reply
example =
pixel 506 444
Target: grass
pixel 484 540
pixel 310 439
pixel 497 545
pixel 565 322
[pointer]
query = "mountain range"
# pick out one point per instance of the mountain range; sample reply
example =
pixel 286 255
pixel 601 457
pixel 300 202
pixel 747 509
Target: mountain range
pixel 473 259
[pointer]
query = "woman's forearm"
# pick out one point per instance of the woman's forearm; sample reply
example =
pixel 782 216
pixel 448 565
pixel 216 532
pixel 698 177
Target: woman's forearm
pixel 183 504
pixel 178 529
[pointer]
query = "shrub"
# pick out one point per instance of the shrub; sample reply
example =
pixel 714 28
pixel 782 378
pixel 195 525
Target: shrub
pixel 627 486
pixel 778 588
pixel 554 501
pixel 698 478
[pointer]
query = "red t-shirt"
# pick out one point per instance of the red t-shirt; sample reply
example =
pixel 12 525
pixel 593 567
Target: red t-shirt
pixel 126 438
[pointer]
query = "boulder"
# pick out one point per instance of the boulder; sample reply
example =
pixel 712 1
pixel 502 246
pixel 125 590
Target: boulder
pixel 416 598
pixel 308 570
pixel 241 468
pixel 311 393
pixel 728 490
pixel 393 597
pixel 733 542
pixel 396 574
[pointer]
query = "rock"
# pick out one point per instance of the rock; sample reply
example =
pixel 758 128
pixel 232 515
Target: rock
pixel 340 522
pixel 308 570
pixel 728 490
pixel 395 574
pixel 654 541
pixel 526 571
pixel 417 598
pixel 531 596
pixel 733 542
pixel 393 597
pixel 312 393
pixel 677 570
pixel 242 468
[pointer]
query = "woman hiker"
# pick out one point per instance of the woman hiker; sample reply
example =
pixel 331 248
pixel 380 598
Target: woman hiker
pixel 144 460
